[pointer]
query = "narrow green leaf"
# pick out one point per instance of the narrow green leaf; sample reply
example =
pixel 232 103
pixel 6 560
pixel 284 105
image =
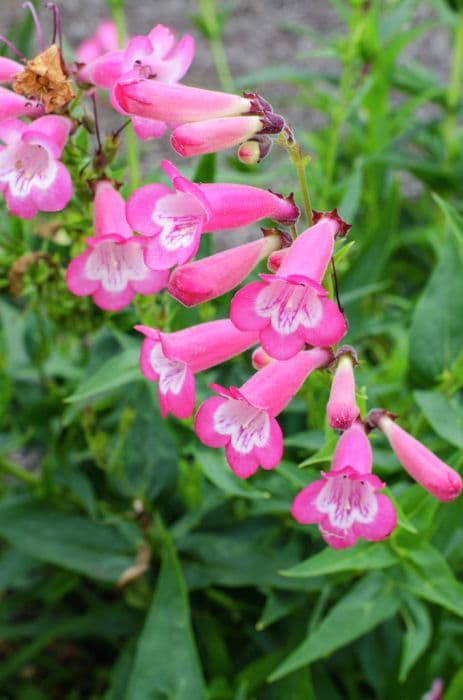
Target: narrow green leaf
pixel 368 603
pixel 418 631
pixel 455 690
pixel 69 541
pixel 436 334
pixel 117 372
pixel 428 576
pixel 166 663
pixel 218 472
pixel 444 415
pixel 331 561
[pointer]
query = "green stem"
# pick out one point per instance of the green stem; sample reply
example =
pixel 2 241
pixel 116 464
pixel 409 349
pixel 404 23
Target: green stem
pixel 208 12
pixel 18 472
pixel 131 142
pixel 221 64
pixel 300 163
pixel 454 89
pixel 287 141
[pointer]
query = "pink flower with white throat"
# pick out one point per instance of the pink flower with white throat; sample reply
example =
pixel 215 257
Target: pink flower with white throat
pixel 172 359
pixel 344 503
pixel 112 269
pixel 243 420
pixel 32 178
pixel 342 409
pixel 290 308
pixel 429 471
pixel 175 220
pixel 155 57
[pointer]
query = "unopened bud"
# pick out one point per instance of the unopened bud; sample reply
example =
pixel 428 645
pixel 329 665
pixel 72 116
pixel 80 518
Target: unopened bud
pixel 254 150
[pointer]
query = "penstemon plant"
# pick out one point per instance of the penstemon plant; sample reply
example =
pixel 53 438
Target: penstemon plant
pixel 150 258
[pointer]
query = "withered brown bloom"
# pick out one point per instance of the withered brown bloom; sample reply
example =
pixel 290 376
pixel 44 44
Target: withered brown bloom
pixel 45 78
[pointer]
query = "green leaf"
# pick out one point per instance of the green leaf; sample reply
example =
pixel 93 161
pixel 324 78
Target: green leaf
pixel 120 370
pixel 455 690
pixel 218 472
pixel 166 663
pixel 436 334
pixel 69 541
pixel 445 415
pixel 418 631
pixel 331 561
pixel 426 574
pixel 368 603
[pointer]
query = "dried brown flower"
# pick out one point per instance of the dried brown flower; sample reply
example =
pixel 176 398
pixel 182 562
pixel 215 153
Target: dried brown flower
pixel 44 78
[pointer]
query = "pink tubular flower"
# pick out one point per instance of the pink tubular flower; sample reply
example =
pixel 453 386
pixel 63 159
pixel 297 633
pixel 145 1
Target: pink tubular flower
pixel 8 69
pixel 344 503
pixel 432 473
pixel 212 135
pixel 32 178
pixel 290 308
pixel 209 278
pixel 176 104
pixel 112 269
pixel 172 359
pixel 155 57
pixel 13 105
pixel 342 409
pixel 104 39
pixel 243 420
pixel 175 220
pixel 240 205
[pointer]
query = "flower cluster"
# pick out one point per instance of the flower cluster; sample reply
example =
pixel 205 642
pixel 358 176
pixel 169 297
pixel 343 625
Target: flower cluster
pixel 148 244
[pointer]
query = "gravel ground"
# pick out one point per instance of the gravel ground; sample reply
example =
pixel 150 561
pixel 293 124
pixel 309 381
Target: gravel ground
pixel 255 35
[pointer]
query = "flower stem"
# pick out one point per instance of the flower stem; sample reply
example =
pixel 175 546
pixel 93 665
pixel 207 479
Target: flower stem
pixel 287 141
pixel 454 90
pixel 131 142
pixel 18 472
pixel 208 14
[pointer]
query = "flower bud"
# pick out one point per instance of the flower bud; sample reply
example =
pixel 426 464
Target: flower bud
pixel 254 150
pixel 432 473
pixel 342 409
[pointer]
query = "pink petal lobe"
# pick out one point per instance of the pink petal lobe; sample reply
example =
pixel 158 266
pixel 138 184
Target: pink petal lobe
pixel 278 346
pixel 76 279
pixel 204 423
pixel 112 301
pixel 304 509
pixel 353 449
pixel 242 465
pixel 242 308
pixel 383 524
pixel 181 405
pixel 148 128
pixel 109 211
pixel 270 456
pixel 57 194
pixel 140 207
pixel 329 330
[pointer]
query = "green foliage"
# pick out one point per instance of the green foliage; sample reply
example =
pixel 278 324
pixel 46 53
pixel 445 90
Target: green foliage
pixel 134 564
